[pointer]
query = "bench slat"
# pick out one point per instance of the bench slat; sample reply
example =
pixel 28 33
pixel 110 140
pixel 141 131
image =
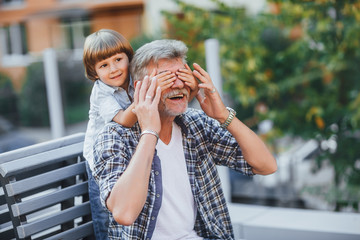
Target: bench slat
pixel 50 199
pixel 42 159
pixel 4 216
pixel 44 179
pixel 75 233
pixel 41 147
pixel 64 216
pixel 2 197
pixel 7 233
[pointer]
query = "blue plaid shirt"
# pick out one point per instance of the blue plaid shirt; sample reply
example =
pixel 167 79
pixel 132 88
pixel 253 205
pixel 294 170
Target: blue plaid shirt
pixel 206 145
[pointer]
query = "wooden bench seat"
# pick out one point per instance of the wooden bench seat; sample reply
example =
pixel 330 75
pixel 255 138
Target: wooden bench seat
pixel 46 191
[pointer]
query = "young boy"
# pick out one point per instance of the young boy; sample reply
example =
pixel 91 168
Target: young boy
pixel 107 55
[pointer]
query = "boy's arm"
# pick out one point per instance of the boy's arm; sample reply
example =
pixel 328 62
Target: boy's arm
pixel 126 117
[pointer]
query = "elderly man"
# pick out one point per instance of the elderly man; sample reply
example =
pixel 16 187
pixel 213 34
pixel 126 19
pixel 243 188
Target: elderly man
pixel 159 179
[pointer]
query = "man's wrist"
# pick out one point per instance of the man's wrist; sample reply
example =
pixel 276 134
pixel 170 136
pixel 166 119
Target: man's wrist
pixel 229 119
pixel 151 132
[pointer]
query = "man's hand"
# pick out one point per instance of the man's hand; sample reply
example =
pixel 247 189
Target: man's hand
pixel 209 99
pixel 146 100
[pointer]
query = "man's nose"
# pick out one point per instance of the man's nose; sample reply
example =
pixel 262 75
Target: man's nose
pixel 178 83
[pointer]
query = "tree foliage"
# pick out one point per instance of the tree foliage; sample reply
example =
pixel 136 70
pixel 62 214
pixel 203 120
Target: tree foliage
pixel 296 63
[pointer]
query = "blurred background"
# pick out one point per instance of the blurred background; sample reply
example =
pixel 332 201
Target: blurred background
pixel 289 68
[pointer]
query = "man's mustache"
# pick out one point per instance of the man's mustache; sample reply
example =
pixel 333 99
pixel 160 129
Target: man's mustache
pixel 174 93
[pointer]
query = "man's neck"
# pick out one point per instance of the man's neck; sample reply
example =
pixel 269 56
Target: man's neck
pixel 166 129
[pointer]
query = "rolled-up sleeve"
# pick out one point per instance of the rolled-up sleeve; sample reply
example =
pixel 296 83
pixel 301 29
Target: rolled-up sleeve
pixel 218 142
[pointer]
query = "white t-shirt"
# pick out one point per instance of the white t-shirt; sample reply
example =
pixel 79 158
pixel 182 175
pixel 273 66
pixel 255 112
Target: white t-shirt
pixel 105 102
pixel 176 218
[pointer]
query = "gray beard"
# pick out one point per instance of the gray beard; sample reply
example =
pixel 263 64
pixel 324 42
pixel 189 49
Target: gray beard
pixel 174 113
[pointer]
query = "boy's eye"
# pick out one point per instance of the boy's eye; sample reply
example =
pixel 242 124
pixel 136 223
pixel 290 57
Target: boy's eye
pixel 103 65
pixel 118 59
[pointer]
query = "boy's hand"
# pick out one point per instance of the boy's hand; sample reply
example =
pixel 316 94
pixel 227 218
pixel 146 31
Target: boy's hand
pixel 165 80
pixel 186 75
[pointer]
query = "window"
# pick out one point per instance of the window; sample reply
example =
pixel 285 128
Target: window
pixel 13 44
pixel 75 31
pixel 11 3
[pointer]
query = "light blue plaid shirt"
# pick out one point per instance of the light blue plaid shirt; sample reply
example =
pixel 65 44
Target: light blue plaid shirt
pixel 206 145
pixel 105 102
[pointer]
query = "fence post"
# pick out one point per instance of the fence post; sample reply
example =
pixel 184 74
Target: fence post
pixel 53 92
pixel 213 68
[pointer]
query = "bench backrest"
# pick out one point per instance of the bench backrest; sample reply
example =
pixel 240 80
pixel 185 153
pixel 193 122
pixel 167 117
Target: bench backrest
pixel 6 227
pixel 45 187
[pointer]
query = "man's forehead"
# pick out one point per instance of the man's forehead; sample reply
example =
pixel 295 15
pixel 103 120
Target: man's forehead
pixel 168 65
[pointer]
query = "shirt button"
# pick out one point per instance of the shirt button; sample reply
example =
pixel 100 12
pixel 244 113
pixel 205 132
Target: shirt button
pixel 157 195
pixel 152 218
pixel 157 173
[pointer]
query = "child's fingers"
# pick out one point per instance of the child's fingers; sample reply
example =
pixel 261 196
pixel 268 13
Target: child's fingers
pixel 153 73
pixel 186 77
pixel 165 75
pixel 166 86
pixel 165 79
pixel 160 75
pixel 183 71
pixel 168 82
pixel 190 84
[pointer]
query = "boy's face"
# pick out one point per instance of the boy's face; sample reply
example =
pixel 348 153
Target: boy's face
pixel 114 71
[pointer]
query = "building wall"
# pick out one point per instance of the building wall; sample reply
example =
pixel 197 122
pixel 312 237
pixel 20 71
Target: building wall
pixel 127 22
pixel 48 23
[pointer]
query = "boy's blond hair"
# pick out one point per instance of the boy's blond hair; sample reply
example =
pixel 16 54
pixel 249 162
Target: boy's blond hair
pixel 101 45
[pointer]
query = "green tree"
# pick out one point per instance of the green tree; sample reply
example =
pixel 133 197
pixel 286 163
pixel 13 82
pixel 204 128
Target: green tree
pixel 297 63
pixel 75 90
pixel 8 99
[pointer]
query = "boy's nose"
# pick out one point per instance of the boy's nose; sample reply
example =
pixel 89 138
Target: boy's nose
pixel 113 67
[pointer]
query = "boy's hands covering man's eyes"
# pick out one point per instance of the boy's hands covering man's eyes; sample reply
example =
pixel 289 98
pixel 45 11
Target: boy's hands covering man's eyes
pixel 186 75
pixel 165 80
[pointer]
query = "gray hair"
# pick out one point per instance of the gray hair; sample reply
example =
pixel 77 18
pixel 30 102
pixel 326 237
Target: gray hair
pixel 154 51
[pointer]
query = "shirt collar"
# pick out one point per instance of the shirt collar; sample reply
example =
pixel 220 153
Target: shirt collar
pixel 112 89
pixel 106 88
pixel 183 123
